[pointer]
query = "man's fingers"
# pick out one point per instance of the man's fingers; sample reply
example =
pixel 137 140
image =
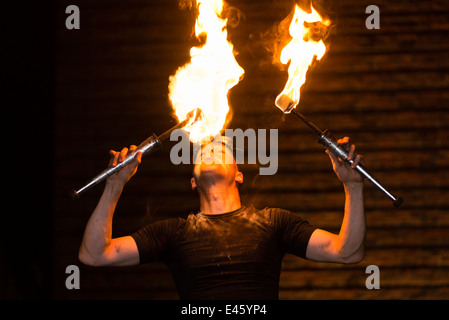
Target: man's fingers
pixel 111 159
pixel 138 156
pixel 358 160
pixel 114 158
pixel 345 143
pixel 118 157
pixel 123 154
pixel 351 152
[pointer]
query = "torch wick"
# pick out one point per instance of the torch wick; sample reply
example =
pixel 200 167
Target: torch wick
pixel 310 124
pixel 192 117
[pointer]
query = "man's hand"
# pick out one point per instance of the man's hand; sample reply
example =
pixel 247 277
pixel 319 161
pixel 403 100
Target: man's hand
pixel 343 170
pixel 127 172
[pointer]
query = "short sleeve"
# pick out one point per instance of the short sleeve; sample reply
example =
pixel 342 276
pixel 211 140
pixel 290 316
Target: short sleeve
pixel 153 241
pixel 293 231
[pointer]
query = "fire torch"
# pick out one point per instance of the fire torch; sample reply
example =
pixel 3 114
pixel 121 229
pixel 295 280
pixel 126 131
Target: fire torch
pixel 330 143
pixel 148 146
pixel 302 50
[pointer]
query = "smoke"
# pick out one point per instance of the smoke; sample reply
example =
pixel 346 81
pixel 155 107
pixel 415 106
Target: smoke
pixel 186 4
pixel 277 37
pixel 233 14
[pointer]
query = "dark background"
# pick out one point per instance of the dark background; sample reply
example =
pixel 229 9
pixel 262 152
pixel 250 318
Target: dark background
pixel 71 95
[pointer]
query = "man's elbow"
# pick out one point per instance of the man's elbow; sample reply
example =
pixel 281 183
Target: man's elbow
pixel 354 257
pixel 88 259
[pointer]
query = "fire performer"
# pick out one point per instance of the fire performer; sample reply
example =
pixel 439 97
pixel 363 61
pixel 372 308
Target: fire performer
pixel 226 250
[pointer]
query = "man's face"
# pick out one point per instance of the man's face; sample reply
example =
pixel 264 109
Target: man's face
pixel 215 162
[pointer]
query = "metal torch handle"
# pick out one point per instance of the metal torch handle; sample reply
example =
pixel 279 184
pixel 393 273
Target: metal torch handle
pixel 330 143
pixel 149 145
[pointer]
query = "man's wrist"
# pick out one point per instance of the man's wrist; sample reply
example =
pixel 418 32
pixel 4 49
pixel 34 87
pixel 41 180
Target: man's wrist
pixel 114 186
pixel 353 186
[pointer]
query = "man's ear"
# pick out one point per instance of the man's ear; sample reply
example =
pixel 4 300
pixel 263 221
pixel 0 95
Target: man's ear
pixel 193 183
pixel 239 177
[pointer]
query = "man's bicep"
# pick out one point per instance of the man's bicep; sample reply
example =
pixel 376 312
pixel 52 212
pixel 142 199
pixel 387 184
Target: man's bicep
pixel 321 246
pixel 123 251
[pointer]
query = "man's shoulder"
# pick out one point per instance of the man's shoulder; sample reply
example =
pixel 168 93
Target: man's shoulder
pixel 268 214
pixel 279 215
pixel 270 211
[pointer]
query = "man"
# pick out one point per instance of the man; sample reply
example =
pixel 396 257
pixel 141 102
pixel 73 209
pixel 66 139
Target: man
pixel 226 251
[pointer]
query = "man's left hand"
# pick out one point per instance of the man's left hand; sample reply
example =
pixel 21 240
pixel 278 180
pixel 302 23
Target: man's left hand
pixel 343 170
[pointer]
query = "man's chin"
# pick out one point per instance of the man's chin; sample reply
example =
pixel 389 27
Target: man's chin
pixel 212 170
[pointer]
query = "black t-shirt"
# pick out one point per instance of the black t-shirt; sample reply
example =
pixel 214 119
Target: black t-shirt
pixel 234 255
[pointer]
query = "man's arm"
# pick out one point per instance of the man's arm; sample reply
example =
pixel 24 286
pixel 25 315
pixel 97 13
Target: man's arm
pixel 98 248
pixel 348 245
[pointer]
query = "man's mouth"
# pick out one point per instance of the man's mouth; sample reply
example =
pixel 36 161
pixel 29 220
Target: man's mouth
pixel 212 160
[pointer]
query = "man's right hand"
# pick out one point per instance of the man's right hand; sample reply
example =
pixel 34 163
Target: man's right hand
pixel 123 176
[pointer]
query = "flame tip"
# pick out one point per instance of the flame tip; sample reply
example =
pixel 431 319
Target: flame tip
pixel 212 71
pixel 301 52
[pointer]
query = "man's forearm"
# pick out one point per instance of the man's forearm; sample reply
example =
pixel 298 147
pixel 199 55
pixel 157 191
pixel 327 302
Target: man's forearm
pixel 98 232
pixel 352 232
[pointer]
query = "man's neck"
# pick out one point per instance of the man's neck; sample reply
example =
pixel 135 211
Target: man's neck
pixel 219 199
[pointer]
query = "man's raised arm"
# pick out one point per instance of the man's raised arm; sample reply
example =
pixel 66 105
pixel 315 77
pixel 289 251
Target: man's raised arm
pixel 348 246
pixel 98 248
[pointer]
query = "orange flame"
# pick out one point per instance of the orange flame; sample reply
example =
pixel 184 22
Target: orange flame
pixel 204 82
pixel 300 51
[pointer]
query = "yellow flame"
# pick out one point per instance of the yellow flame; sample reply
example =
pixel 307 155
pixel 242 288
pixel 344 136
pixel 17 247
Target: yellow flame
pixel 300 51
pixel 204 82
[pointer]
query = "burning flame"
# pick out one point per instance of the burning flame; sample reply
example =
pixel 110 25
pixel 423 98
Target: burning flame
pixel 300 51
pixel 204 82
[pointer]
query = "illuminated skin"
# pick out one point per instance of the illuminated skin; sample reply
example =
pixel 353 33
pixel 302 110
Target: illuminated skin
pixel 217 186
pixel 216 178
